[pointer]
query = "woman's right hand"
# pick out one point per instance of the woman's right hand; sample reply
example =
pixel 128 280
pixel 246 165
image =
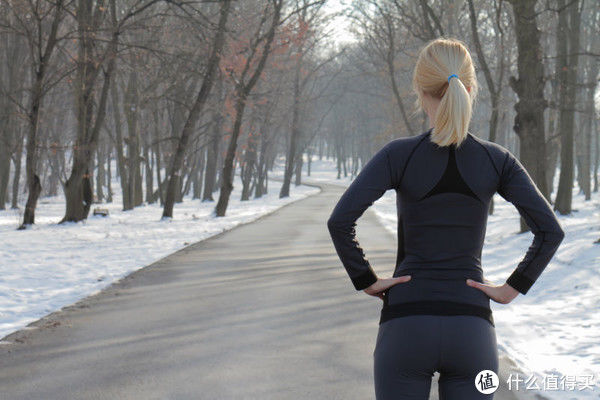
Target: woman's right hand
pixel 502 294
pixel 381 285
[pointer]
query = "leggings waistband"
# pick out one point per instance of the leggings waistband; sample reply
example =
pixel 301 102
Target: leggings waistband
pixel 434 307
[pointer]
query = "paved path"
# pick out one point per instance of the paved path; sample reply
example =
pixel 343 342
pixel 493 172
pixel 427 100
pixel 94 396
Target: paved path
pixel 263 311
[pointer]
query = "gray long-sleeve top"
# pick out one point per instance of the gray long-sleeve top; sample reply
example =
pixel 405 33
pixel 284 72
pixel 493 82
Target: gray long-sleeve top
pixel 443 197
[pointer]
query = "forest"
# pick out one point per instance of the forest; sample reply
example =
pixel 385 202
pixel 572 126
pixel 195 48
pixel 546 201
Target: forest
pixel 178 207
pixel 176 98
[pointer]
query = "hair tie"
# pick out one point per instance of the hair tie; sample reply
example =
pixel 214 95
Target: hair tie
pixel 451 76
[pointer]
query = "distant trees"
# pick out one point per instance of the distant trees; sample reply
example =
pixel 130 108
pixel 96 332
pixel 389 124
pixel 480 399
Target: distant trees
pixel 391 32
pixel 305 41
pixel 177 98
pixel 381 24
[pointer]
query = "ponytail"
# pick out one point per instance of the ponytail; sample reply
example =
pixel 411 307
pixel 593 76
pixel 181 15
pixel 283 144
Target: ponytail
pixel 436 63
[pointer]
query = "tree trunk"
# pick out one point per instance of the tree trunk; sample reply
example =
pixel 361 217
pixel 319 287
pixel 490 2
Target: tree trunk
pixel 148 174
pixel 33 180
pixel 295 133
pixel 589 117
pixel 210 174
pixel 121 161
pixel 156 151
pixel 529 119
pixel 78 188
pixel 249 172
pixel 101 176
pixel 298 168
pixel 131 111
pixel 37 93
pixel 109 197
pixel 567 102
pixel 17 175
pixel 191 176
pixel 199 173
pixel 597 151
pixel 228 167
pixel 4 173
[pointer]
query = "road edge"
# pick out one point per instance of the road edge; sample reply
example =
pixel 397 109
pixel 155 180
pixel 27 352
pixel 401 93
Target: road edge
pixel 53 318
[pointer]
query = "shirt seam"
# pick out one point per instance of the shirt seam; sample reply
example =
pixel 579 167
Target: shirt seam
pixel 408 160
pixel 487 151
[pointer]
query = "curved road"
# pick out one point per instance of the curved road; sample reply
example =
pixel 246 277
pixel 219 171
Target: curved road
pixel 262 311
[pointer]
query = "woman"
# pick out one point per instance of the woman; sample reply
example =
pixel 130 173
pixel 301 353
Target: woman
pixel 436 312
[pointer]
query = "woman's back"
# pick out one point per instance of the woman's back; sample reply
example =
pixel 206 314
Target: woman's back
pixel 443 197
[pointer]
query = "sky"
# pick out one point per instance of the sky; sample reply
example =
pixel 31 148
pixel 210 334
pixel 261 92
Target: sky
pixel 340 23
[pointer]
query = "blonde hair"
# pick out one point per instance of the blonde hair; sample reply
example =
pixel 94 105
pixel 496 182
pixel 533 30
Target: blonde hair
pixel 439 59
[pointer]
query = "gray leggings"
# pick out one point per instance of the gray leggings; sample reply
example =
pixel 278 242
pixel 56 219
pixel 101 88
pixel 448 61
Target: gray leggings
pixel 410 349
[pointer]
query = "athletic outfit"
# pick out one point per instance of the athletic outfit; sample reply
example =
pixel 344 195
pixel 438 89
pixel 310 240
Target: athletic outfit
pixel 443 195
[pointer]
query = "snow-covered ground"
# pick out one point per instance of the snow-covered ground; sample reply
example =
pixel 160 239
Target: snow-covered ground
pixel 555 328
pixel 51 266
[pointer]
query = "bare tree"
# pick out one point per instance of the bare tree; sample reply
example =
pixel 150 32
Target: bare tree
pixel 194 115
pixel 41 30
pixel 380 29
pixel 568 39
pixel 245 83
pixel 91 108
pixel 529 86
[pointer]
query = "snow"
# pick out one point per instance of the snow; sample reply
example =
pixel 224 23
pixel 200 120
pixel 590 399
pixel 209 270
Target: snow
pixel 552 332
pixel 553 329
pixel 50 266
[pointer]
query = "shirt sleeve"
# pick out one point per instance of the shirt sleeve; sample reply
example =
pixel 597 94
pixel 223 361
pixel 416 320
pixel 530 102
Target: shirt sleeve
pixel 370 184
pixel 517 187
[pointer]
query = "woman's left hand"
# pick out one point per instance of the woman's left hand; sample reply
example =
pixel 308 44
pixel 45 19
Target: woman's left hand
pixel 502 294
